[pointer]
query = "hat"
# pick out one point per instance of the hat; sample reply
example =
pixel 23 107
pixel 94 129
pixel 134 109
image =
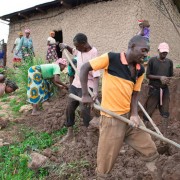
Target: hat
pixel 27 31
pixel 61 61
pixel 163 47
pixel 20 34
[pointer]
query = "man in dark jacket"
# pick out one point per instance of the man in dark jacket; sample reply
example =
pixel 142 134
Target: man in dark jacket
pixel 159 71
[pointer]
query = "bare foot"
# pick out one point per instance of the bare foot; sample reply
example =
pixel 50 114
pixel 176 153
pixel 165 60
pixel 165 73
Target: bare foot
pixel 35 113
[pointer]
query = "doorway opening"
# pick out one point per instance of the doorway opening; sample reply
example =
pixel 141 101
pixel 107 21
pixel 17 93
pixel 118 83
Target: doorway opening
pixel 59 38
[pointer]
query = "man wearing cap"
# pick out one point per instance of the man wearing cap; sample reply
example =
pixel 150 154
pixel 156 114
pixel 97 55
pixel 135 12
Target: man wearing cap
pixel 159 71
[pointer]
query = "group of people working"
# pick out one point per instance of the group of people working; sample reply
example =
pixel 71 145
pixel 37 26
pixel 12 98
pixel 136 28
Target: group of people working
pixel 121 82
pixel 123 74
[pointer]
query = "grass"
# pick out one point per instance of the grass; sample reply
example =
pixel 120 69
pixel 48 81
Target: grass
pixel 20 76
pixel 15 107
pixel 71 170
pixel 14 158
pixel 4 98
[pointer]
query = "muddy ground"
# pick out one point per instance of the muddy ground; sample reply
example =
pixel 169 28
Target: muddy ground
pixel 128 166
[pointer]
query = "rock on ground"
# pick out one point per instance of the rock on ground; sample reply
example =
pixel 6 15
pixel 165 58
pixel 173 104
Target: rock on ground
pixel 37 161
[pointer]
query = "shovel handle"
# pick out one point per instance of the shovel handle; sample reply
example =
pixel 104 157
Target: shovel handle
pixel 143 128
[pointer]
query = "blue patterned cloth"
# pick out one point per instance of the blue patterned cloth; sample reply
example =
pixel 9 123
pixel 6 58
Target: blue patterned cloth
pixel 39 89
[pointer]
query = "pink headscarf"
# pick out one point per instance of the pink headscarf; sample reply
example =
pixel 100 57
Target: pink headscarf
pixel 61 61
pixel 27 31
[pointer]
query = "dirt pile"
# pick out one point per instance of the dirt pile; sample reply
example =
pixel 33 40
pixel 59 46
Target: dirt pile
pixel 52 116
pixel 170 167
pixel 129 165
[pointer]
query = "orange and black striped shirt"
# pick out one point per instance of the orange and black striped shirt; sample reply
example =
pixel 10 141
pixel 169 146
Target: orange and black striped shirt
pixel 117 83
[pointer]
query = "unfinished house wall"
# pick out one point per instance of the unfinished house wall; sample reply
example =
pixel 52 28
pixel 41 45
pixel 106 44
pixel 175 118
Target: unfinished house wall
pixel 108 25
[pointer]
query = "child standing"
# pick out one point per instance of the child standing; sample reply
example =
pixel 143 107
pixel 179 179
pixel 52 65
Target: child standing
pixel 144 28
pixel 145 32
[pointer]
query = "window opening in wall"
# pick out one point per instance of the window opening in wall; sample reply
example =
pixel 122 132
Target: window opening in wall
pixel 59 38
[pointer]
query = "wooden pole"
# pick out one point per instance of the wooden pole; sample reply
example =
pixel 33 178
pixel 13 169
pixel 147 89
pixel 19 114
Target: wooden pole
pixel 129 122
pixel 91 93
pixel 149 118
pixel 75 69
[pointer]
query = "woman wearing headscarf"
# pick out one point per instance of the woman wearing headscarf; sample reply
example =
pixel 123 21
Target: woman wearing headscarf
pixel 18 54
pixel 26 46
pixel 51 52
pixel 40 82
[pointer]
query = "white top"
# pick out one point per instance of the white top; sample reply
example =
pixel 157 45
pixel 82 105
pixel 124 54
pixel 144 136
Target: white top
pixel 83 57
pixel 17 41
pixel 51 40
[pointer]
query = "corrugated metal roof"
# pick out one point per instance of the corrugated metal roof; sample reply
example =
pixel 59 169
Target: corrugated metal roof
pixel 33 9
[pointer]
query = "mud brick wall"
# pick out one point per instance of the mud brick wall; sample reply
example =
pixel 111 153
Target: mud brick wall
pixel 108 25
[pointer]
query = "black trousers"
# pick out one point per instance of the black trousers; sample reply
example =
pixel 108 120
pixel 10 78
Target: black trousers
pixel 71 108
pixel 153 101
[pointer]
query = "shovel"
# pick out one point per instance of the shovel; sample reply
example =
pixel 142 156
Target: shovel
pixel 98 107
pixel 97 102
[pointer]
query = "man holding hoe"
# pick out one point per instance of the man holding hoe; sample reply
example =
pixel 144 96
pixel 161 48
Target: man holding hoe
pixel 121 83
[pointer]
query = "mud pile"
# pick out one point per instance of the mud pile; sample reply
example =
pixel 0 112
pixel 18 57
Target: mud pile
pixel 52 116
pixel 129 164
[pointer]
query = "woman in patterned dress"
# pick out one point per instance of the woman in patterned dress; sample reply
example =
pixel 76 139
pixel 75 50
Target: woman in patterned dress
pixel 26 46
pixel 17 56
pixel 51 52
pixel 40 81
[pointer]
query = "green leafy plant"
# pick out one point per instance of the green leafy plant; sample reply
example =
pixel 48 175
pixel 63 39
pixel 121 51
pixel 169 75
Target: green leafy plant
pixel 4 99
pixel 15 106
pixel 22 75
pixel 178 66
pixel 14 158
pixel 2 70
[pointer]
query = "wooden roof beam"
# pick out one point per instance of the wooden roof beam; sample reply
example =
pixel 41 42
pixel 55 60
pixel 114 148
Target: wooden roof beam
pixel 4 19
pixel 41 10
pixel 64 3
pixel 22 15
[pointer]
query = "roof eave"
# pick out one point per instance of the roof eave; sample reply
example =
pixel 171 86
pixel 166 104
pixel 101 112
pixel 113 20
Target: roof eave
pixel 31 9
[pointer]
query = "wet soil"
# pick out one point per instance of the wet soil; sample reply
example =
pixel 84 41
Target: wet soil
pixel 129 164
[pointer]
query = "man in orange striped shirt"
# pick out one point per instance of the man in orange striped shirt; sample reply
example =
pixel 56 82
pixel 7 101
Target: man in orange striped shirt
pixel 121 83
